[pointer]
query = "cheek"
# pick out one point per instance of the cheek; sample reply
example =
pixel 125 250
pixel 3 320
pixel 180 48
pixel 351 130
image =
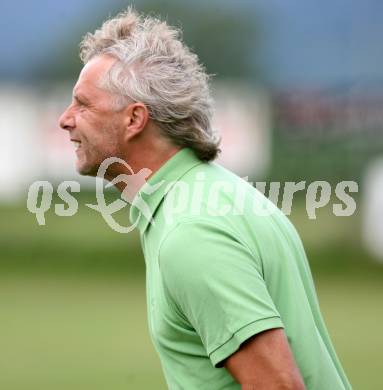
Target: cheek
pixel 100 135
pixel 101 144
pixel 111 136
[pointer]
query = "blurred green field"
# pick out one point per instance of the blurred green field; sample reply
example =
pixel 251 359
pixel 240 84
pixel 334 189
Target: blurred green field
pixel 75 333
pixel 72 302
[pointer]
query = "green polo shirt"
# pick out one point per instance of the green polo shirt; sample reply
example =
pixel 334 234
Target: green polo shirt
pixel 223 264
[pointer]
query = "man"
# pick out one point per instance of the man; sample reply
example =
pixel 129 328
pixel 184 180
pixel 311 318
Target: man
pixel 230 296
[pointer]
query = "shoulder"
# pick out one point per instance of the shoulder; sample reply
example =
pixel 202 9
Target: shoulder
pixel 192 233
pixel 196 244
pixel 208 190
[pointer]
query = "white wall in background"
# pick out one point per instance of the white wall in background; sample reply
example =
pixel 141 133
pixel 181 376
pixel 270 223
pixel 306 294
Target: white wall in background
pixel 243 118
pixel 21 150
pixel 373 209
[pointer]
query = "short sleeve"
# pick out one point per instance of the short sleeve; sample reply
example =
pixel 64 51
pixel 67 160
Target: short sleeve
pixel 216 283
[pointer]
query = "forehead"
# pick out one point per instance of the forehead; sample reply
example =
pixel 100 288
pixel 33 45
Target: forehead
pixel 91 74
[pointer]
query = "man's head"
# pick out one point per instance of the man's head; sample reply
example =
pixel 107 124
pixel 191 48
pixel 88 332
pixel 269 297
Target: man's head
pixel 140 86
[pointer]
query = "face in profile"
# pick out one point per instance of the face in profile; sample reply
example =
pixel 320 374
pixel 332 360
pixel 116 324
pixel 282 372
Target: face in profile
pixel 94 127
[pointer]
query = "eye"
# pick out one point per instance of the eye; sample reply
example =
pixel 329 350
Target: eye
pixel 79 102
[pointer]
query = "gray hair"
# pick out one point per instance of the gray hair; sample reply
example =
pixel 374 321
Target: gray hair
pixel 154 67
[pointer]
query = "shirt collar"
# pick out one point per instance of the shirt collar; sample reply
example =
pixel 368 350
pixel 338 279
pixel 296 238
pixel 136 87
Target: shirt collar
pixel 169 173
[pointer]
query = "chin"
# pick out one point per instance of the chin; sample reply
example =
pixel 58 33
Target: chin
pixel 87 169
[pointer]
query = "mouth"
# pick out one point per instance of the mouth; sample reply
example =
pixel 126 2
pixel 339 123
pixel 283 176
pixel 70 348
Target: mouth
pixel 76 144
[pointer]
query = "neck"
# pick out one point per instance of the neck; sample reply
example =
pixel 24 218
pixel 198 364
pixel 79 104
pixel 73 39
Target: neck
pixel 151 159
pixel 145 158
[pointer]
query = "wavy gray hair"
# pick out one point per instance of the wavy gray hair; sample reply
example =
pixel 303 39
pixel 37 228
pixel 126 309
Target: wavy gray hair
pixel 154 67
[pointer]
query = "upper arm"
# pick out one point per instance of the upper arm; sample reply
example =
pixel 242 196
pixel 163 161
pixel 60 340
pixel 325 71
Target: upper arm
pixel 217 285
pixel 265 362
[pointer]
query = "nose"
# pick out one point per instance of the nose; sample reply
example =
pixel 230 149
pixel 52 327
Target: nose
pixel 67 120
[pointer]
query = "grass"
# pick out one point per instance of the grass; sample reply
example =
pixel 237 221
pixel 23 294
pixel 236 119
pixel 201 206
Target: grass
pixel 75 333
pixel 352 310
pixel 81 243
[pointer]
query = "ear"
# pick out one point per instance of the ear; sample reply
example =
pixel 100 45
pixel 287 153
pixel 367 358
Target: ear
pixel 136 117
